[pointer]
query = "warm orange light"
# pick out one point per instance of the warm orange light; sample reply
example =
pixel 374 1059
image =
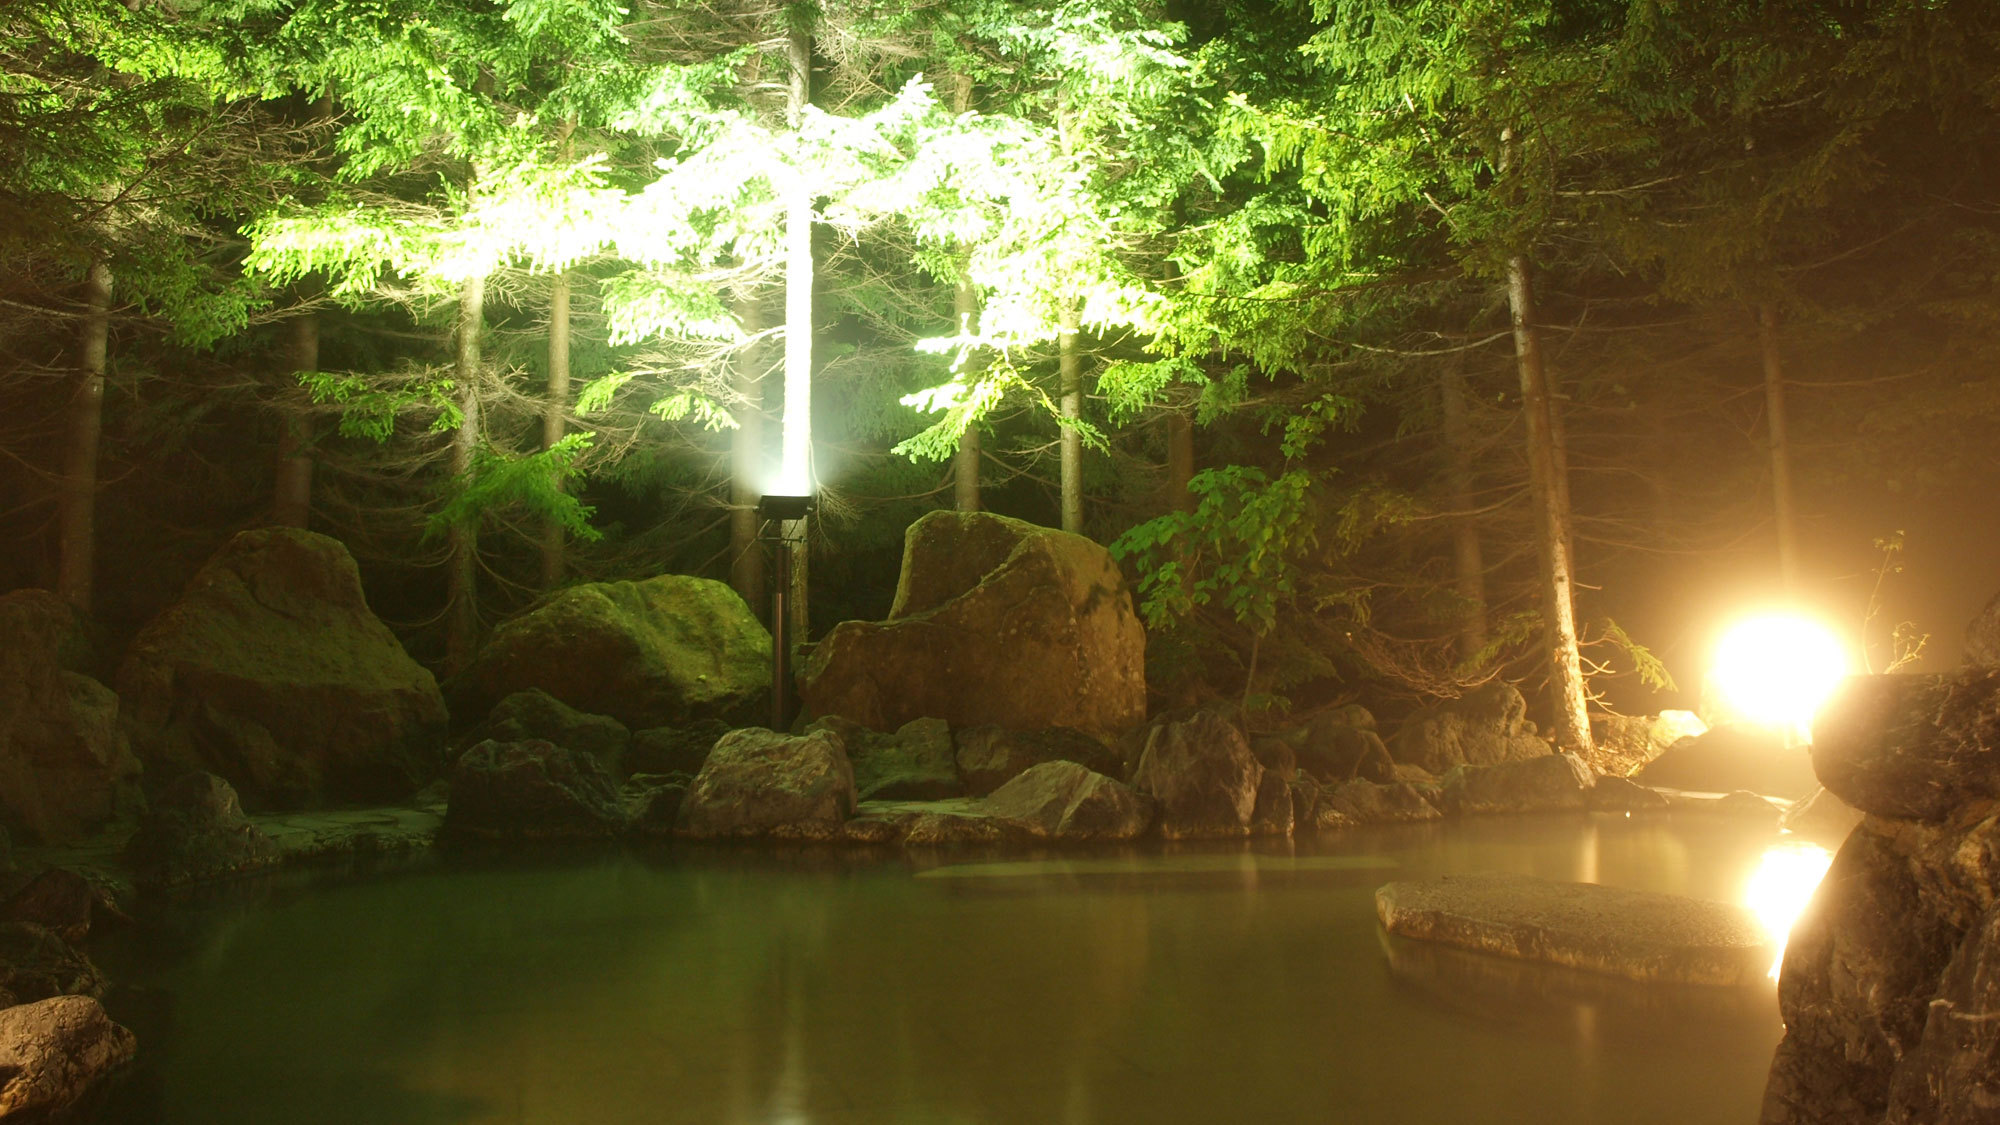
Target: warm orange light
pixel 1781 887
pixel 1777 670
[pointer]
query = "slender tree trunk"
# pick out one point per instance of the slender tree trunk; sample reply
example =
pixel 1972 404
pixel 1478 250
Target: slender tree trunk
pixel 1468 558
pixel 797 436
pixel 1572 725
pixel 555 420
pixel 76 572
pixel 291 499
pixel 1070 362
pixel 1180 461
pixel 1782 511
pixel 965 307
pixel 462 574
pixel 746 459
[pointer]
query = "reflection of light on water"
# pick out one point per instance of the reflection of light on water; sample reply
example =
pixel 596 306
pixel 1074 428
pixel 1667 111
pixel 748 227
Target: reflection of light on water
pixel 1781 887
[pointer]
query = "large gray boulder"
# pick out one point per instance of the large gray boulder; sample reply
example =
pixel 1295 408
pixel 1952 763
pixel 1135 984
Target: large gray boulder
pixel 532 790
pixel 1061 800
pixel 1548 783
pixel 1204 777
pixel 996 622
pixel 758 782
pixel 1639 935
pixel 54 1052
pixel 66 769
pixel 194 830
pixel 668 651
pixel 1481 728
pixel 271 671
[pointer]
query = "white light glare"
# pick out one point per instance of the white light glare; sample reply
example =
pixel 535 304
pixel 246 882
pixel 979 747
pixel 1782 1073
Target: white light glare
pixel 1781 887
pixel 1778 669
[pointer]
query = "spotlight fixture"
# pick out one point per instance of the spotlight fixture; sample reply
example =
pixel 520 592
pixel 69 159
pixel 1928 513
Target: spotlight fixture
pixel 774 507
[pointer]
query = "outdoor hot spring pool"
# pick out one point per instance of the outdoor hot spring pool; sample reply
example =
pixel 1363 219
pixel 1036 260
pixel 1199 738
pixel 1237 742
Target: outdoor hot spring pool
pixel 1222 984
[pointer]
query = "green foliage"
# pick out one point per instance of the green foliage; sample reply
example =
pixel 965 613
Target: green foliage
pixel 531 482
pixel 1237 553
pixel 370 409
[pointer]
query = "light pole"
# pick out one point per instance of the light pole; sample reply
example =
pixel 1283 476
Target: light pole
pixel 777 511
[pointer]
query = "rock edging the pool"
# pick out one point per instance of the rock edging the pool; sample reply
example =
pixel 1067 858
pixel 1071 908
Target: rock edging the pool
pixel 1639 935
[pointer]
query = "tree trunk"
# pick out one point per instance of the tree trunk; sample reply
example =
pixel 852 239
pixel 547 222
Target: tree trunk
pixel 746 460
pixel 76 572
pixel 555 420
pixel 291 499
pixel 462 567
pixel 1469 560
pixel 1071 365
pixel 965 308
pixel 797 435
pixel 1782 510
pixel 1572 719
pixel 1180 461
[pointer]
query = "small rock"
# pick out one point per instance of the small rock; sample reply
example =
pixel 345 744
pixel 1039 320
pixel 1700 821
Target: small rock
pixel 1621 745
pixel 1064 801
pixel 61 900
pixel 36 963
pixel 1484 727
pixel 916 763
pixel 1204 776
pixel 653 801
pixel 989 756
pixel 535 714
pixel 758 782
pixel 194 830
pixel 1365 802
pixel 532 790
pixel 52 1052
pixel 1274 814
pixel 1335 746
pixel 1549 783
pixel 1622 794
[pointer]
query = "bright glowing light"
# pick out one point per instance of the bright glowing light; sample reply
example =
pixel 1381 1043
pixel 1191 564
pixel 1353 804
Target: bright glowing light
pixel 1781 887
pixel 1777 670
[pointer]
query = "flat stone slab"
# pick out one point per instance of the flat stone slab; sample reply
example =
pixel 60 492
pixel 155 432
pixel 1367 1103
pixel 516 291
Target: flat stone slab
pixel 1638 935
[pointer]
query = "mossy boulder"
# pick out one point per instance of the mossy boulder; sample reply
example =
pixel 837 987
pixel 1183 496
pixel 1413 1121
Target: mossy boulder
pixel 532 790
pixel 996 622
pixel 1206 781
pixel 759 782
pixel 667 651
pixel 915 763
pixel 535 714
pixel 1482 728
pixel 271 672
pixel 65 765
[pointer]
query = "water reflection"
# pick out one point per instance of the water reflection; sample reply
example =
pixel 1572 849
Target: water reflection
pixel 1214 984
pixel 1781 886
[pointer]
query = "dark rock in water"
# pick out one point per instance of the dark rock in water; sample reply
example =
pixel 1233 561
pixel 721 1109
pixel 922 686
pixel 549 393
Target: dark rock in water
pixel 1273 814
pixel 1822 818
pixel 1366 802
pixel 669 651
pixel 1635 934
pixel 1487 726
pixel 996 622
pixel 271 671
pixel 194 830
pixel 36 963
pixel 65 767
pixel 1622 794
pixel 1729 757
pixel 532 790
pixel 758 782
pixel 535 714
pixel 1982 635
pixel 653 801
pixel 1062 800
pixel 1204 777
pixel 52 1053
pixel 1550 783
pixel 989 757
pixel 679 749
pixel 1911 746
pixel 916 763
pixel 1622 745
pixel 62 901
